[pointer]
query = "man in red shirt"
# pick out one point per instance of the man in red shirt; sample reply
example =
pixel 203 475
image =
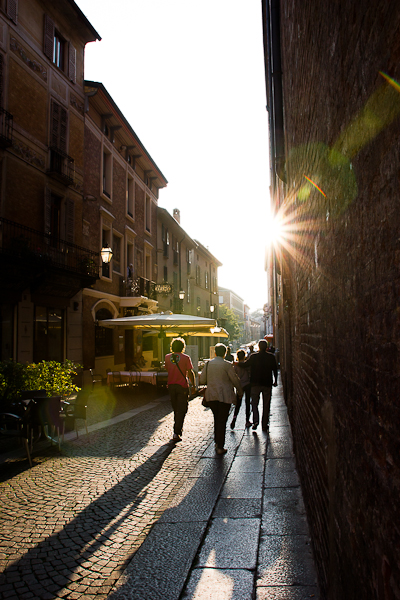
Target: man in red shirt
pixel 179 367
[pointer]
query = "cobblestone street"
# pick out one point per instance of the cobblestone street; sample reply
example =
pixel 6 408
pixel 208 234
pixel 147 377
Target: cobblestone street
pixel 124 513
pixel 70 525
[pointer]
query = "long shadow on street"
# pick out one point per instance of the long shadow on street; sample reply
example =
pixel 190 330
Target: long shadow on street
pixel 50 565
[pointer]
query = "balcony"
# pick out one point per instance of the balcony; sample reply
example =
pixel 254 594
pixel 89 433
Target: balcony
pixel 33 258
pixel 138 286
pixel 6 128
pixel 62 166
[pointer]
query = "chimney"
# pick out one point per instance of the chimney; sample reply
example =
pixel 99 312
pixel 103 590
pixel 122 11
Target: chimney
pixel 177 215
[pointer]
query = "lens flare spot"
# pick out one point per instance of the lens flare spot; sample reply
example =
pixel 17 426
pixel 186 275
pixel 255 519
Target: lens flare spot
pixel 315 185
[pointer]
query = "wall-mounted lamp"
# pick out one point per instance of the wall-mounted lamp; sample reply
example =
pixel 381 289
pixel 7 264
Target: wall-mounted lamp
pixel 106 254
pixel 212 308
pixel 181 295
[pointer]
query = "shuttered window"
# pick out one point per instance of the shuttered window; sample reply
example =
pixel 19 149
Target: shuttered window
pixel 48 41
pixel 55 47
pixel 12 10
pixel 71 62
pixel 59 127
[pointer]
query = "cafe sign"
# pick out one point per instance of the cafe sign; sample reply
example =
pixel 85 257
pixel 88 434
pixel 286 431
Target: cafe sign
pixel 163 288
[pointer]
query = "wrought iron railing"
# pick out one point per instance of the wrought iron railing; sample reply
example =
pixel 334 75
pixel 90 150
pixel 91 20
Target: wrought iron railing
pixel 24 244
pixel 138 286
pixel 62 166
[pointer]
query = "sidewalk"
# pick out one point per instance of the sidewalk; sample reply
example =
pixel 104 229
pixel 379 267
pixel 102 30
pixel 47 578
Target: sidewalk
pixel 237 529
pixel 132 516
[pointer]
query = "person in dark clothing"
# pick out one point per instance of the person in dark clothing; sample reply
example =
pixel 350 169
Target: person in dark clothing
pixel 262 365
pixel 228 355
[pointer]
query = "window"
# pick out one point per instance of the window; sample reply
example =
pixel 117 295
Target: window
pixel 12 10
pixel 48 339
pixel 147 266
pixel 166 274
pixel 130 196
pixel 206 279
pixel 116 259
pixel 107 174
pixel 59 218
pixel 165 240
pixel 175 250
pixel 188 292
pixel 6 331
pixel 58 127
pixel 104 339
pixel 60 52
pixel 147 214
pixel 198 304
pixel 129 260
pixel 198 275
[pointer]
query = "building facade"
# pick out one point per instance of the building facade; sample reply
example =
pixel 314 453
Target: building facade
pixel 187 275
pixel 333 100
pixel 121 189
pixel 236 304
pixel 45 262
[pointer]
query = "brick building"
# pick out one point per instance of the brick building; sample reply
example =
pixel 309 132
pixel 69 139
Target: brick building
pixel 121 188
pixel 333 97
pixel 44 259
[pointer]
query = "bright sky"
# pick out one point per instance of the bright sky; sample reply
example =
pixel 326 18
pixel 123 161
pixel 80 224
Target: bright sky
pixel 189 78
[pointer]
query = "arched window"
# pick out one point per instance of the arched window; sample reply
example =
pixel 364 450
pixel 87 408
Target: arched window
pixel 104 336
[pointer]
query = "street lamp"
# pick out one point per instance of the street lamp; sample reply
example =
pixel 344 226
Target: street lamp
pixel 212 308
pixel 181 296
pixel 106 254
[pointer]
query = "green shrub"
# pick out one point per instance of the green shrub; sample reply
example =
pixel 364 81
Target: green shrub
pixel 12 379
pixel 56 378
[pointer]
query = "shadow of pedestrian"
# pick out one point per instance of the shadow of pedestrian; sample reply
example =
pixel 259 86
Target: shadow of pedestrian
pixel 52 564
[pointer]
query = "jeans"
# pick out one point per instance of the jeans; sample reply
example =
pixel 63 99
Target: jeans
pixel 220 411
pixel 247 395
pixel 179 401
pixel 266 392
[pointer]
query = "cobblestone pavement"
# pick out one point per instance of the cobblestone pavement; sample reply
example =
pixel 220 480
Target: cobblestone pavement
pixel 70 525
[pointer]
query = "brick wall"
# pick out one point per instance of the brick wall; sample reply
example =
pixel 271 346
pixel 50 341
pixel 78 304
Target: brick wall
pixel 340 316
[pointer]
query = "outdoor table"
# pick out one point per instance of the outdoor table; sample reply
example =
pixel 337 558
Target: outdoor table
pixel 132 377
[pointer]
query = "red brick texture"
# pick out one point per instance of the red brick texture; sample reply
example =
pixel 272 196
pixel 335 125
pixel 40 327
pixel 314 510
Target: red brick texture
pixel 340 311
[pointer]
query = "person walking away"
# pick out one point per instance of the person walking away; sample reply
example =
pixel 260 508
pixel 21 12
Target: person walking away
pixel 221 380
pixel 180 368
pixel 244 377
pixel 262 365
pixel 228 355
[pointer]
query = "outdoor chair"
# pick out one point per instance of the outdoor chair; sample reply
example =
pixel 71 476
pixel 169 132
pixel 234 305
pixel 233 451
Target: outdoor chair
pixel 162 379
pixel 15 426
pixel 96 378
pixel 116 380
pixel 74 412
pixel 47 414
